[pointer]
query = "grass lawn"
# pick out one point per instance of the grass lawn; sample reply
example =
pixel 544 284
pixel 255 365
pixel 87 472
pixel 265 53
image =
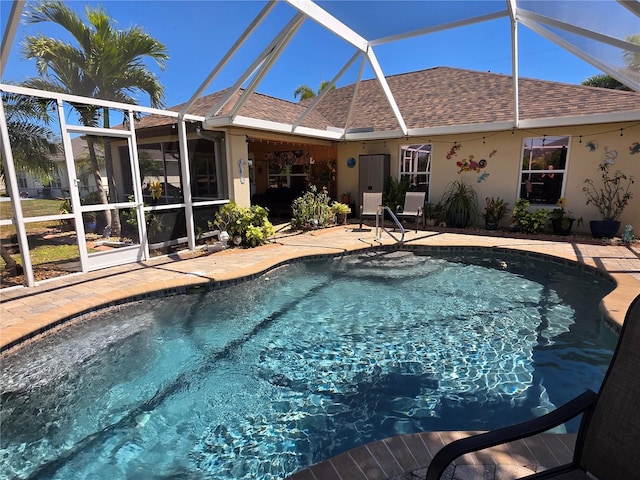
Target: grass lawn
pixel 48 245
pixel 30 208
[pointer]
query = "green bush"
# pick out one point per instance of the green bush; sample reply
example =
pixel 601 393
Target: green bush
pixel 311 210
pixel 524 220
pixel 251 224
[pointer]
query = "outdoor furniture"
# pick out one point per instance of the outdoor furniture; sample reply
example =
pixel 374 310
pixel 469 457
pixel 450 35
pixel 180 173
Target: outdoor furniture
pixel 369 206
pixel 413 207
pixel 608 440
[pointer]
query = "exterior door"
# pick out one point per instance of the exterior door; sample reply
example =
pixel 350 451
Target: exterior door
pixel 108 194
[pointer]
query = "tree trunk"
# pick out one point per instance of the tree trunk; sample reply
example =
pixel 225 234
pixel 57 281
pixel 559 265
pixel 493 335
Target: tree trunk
pixel 11 265
pixel 105 215
pixel 111 181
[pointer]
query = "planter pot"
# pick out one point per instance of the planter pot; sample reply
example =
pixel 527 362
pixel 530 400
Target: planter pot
pixel 90 227
pixel 490 226
pixel 430 222
pixel 558 228
pixel 458 220
pixel 341 218
pixel 604 228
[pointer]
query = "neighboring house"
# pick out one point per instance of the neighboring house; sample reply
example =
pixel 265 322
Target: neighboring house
pixel 460 125
pixel 58 184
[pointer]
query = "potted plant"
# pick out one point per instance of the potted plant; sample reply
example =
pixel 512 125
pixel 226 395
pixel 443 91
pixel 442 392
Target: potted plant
pixel 610 198
pixel 561 219
pixel 494 211
pixel 340 210
pixel 89 222
pixel 460 204
pixel 527 221
pixel 432 214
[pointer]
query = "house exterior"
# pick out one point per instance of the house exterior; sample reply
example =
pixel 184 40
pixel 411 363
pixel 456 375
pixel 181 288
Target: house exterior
pixel 170 171
pixel 460 124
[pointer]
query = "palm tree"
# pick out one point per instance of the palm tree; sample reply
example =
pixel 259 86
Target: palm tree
pixel 106 63
pixel 31 146
pixel 604 81
pixel 305 91
pixel 30 138
pixel 632 60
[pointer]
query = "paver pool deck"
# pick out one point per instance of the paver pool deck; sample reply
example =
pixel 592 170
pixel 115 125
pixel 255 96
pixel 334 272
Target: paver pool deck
pixel 27 312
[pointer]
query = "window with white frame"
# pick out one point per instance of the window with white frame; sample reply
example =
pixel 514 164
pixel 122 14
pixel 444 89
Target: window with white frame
pixel 292 176
pixel 415 166
pixel 543 169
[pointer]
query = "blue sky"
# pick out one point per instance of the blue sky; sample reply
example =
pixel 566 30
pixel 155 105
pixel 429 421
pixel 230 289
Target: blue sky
pixel 198 33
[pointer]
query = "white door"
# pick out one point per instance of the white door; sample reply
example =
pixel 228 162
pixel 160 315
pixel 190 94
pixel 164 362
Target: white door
pixel 108 194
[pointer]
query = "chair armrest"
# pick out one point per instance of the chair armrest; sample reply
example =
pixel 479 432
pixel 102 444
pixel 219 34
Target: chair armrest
pixel 450 452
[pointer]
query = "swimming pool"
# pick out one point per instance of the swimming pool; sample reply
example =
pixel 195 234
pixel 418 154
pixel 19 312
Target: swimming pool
pixel 265 377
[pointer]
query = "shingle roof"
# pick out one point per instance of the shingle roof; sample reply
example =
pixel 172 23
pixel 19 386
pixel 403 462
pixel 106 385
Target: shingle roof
pixel 259 106
pixel 440 96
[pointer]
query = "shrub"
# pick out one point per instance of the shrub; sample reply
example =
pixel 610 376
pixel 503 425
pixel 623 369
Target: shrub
pixel 524 220
pixel 340 208
pixel 251 224
pixel 612 196
pixel 311 209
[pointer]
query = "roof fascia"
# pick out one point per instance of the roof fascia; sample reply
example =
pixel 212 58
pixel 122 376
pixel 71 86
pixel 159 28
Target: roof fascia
pixel 387 91
pixel 257 63
pixel 317 98
pixel 337 135
pixel 328 21
pixel 632 5
pixel 459 129
pixel 288 34
pixel 536 27
pixel 630 116
pixel 438 28
pixel 277 127
pixel 230 53
pixel 7 39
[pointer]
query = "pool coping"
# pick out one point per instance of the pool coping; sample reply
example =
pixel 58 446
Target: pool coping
pixel 51 304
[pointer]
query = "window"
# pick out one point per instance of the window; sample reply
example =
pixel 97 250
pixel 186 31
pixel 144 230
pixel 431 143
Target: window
pixel 292 176
pixel 22 180
pixel 415 165
pixel 543 168
pixel 56 181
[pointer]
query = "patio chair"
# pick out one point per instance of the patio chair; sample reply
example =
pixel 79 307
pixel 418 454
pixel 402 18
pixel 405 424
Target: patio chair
pixel 608 440
pixel 413 207
pixel 369 206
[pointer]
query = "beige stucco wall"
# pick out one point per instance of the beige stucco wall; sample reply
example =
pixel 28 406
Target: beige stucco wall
pixel 502 152
pixel 239 186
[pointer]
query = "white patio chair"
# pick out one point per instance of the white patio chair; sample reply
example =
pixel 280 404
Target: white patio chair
pixel 371 201
pixel 413 207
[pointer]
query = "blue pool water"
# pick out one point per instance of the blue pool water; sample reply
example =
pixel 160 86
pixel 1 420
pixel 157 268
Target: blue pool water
pixel 263 378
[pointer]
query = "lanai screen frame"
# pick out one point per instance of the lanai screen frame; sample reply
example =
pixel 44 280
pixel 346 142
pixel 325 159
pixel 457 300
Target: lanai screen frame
pixel 364 50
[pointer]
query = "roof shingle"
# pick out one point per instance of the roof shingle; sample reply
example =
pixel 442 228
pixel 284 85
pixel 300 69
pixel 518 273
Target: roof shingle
pixel 440 96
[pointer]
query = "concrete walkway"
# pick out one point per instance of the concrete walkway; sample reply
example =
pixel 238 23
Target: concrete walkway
pixel 25 313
